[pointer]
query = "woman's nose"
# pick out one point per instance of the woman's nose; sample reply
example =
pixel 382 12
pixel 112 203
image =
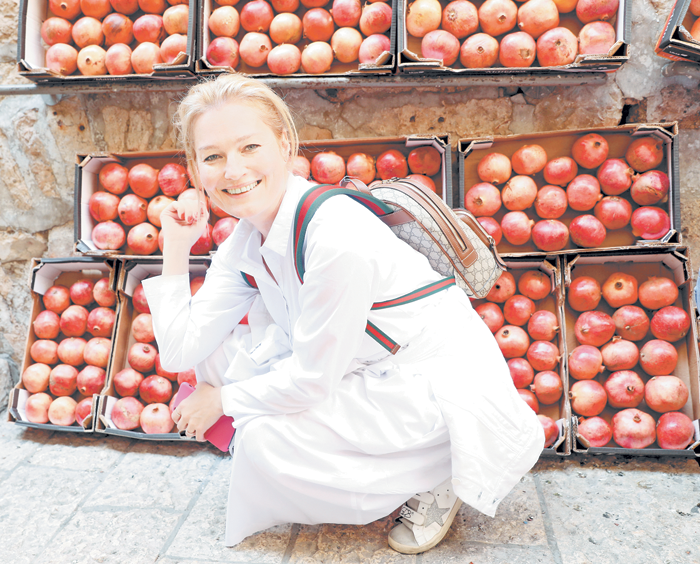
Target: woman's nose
pixel 233 169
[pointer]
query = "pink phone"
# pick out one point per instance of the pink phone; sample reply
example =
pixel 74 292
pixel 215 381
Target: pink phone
pixel 220 434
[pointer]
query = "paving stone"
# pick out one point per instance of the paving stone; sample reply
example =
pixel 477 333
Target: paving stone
pixel 17 443
pixel 689 148
pixel 111 537
pixel 72 451
pixel 152 474
pixel 638 510
pixel 202 534
pixel 450 551
pixel 34 503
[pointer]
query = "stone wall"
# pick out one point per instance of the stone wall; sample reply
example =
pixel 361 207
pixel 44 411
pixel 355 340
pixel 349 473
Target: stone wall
pixel 39 142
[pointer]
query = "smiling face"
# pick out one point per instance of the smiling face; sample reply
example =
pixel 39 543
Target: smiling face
pixel 242 164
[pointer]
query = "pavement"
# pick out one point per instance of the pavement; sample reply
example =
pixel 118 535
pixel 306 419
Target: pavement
pixel 75 499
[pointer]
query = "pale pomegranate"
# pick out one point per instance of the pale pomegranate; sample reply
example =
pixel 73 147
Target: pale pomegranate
pixel 132 209
pixel 613 212
pixel 172 47
pixel 633 428
pixel 585 362
pixel 346 43
pixel 483 199
pixel 286 28
pixel 537 16
pixel 346 13
pixel 97 351
pixel 142 357
pixel 44 351
pixel 376 18
pixel 172 376
pixel 529 159
pixel 624 388
pixel 535 284
pixel 513 341
pixel 37 407
pixel 587 397
pixel 543 325
pixel 548 387
pixel 91 60
pixel 674 430
pixel 62 58
pixel 301 167
pixel 70 351
pixel 650 222
pixel 479 51
pixel 595 430
pixel 556 47
pixel 620 289
pixel 423 16
pixel 143 239
pixel 284 59
pixel 643 153
pixel 658 357
pixel 460 18
pixel 62 411
pixel 551 202
pixel 155 419
pixel 62 380
pixel 631 322
pixel 87 31
pixel 494 168
pixel 361 166
pixel 517 227
pixel 586 231
pixel 596 38
pixel 521 372
pixel 518 310
pixel 497 17
pixel 373 47
pixel 666 393
pixel 126 413
pixel 594 328
pixel 519 193
pixel 114 178
pixel 517 50
pixel 56 30
pixel 254 49
pixel 550 235
pixel 46 325
pixel 491 314
pixel 503 289
pixel 35 378
pixel 670 324
pixel 590 151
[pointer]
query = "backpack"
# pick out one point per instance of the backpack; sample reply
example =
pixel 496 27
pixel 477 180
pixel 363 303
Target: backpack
pixel 454 243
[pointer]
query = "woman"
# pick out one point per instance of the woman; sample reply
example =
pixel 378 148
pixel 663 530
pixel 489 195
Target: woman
pixel 335 430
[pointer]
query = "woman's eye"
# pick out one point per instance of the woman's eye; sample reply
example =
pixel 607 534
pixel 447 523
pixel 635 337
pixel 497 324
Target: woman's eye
pixel 210 158
pixel 251 147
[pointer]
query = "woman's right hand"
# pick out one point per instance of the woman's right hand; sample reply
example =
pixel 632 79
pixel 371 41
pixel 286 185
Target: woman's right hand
pixel 182 223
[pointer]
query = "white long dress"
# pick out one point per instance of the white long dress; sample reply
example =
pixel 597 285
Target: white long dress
pixel 338 430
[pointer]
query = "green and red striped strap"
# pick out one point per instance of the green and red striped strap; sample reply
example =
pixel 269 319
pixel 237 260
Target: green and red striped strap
pixel 249 280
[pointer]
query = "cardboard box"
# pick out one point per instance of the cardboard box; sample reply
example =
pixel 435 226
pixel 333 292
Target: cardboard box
pixel 558 144
pixel 675 41
pixel 384 65
pixel 411 61
pixel 669 262
pixel 133 272
pixel 45 273
pixel 559 411
pixel 375 146
pixel 31 53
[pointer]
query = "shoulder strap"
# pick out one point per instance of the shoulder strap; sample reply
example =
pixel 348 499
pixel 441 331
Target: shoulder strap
pixel 249 280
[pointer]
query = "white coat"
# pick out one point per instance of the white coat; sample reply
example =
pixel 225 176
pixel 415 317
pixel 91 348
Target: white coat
pixel 331 428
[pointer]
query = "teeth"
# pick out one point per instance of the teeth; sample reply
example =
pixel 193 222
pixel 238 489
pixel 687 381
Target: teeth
pixel 247 188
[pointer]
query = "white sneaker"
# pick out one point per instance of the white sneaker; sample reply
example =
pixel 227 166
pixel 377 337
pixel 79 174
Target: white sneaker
pixel 425 519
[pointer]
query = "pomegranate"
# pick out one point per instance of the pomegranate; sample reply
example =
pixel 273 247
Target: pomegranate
pixel 155 419
pixel 205 243
pixel 615 177
pixel 143 239
pixel 547 387
pixel 492 227
pixel 286 28
pixel 674 430
pixel 346 13
pixel 346 43
pixel 118 59
pixel 440 45
pixel 513 341
pixel 257 16
pixel 254 49
pixel 56 30
pixel 658 292
pixel 479 51
pixel 155 389
pixel 583 192
pixel 372 48
pixel 519 193
pixel 223 229
pixel 587 231
pixel 494 168
pixel 518 310
pixel 284 59
pixel 97 351
pixel 625 389
pixel 543 325
pixel 650 188
pixel 317 58
pixel 126 413
pixel 37 407
pixel 550 235
pixel 114 178
pixel 46 325
pixel 650 222
pixel 551 431
pixel 423 16
pixel 172 376
pixel 318 25
pixel 156 207
pixel 126 7
pixel 188 376
pixel 643 153
pixel 132 210
pixel 391 164
pixel 91 60
pixel 594 10
pixel 587 397
pixel 139 300
pixel 62 380
pixel 175 19
pixel 631 322
pixel 108 235
pixel 596 431
pixel 529 159
pixel 68 9
pixel 62 411
pixel 153 6
pixel 376 18
pixel 361 166
pixel 666 393
pixel 503 289
pixel 521 372
pixel 143 180
pixel 551 202
pixel 483 199
pixel 497 17
pixel 633 428
pixel 585 362
pixel 223 52
pixel 670 324
pixel 620 289
pixel 143 57
pixel 73 321
pixel 594 328
pixel 530 399
pixel 328 167
pixel 517 227
pixel 70 351
pixel 172 47
pixel 224 22
pixel 87 31
pixel 427 182
pixel 90 380
pixel 620 354
pixel 142 357
pixel 556 47
pixel 543 355
pixel 196 283
pixel 425 160
pixel 535 284
pixel 62 59
pixel 35 377
pixel 100 322
pixel 278 5
pixel 536 17
pixel 460 18
pixel 127 382
pixel 81 292
pixel 596 38
pixel 560 171
pixel 142 328
pixel 83 410
pixel 517 49
pixel 492 316
pixel 117 28
pixel 613 212
pixel 590 150
pixel 44 351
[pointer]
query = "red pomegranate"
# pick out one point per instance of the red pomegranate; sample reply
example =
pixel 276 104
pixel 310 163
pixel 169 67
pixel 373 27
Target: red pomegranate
pixel 543 325
pixel 543 355
pixel 658 357
pixel 674 430
pixel 658 292
pixel 620 354
pixel 551 431
pixel 620 289
pixel 649 222
pixel 645 153
pixel 517 227
pixel 328 167
pixel 613 212
pixel 594 328
pixel 585 362
pixel 551 202
pixel 650 188
pixel 503 289
pixel 670 323
pixel 513 341
pixel 595 430
pixel 631 322
pixel 586 231
pixel 590 151
pixel 584 293
pixel 583 192
pixel 518 309
pixel 550 235
pixel 519 193
pixel 529 159
pixel 534 284
pixel 625 389
pixel 492 316
pixel 587 397
pixel 492 227
pixel 530 399
pixel 494 168
pixel 521 372
pixel 547 387
pixel 483 199
pixel 615 177
pixel 560 171
pixel 633 428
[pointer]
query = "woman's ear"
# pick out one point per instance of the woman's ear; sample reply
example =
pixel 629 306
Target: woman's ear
pixel 286 148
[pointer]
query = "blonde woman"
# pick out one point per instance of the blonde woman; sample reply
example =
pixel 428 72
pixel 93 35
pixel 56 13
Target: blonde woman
pixel 338 430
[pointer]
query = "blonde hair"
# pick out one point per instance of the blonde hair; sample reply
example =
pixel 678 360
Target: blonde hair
pixel 233 87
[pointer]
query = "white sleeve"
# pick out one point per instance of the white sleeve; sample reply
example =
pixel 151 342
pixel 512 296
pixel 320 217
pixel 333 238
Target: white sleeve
pixel 188 329
pixel 340 281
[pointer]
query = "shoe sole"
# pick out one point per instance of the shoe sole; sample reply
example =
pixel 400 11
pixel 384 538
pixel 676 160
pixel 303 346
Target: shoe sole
pixel 406 549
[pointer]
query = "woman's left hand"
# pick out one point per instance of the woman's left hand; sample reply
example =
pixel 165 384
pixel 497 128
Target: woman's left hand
pixel 198 412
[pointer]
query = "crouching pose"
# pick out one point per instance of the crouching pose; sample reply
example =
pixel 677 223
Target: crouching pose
pixel 330 427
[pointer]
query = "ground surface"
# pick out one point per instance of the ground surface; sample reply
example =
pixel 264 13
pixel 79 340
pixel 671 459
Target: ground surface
pixel 97 499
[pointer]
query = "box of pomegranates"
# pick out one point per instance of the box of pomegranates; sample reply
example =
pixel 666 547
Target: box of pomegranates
pixel 680 37
pixel 139 392
pixel 535 38
pixel 524 311
pixel 69 344
pixel 119 198
pixel 424 158
pixel 631 341
pixel 554 192
pixel 105 40
pixel 283 38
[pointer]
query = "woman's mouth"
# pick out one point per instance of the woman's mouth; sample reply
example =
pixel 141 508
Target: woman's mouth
pixel 242 189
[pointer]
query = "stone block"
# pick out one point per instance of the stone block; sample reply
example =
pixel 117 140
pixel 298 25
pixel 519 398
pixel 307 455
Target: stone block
pixel 93 452
pixel 9 376
pixel 20 246
pixel 17 442
pixel 61 241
